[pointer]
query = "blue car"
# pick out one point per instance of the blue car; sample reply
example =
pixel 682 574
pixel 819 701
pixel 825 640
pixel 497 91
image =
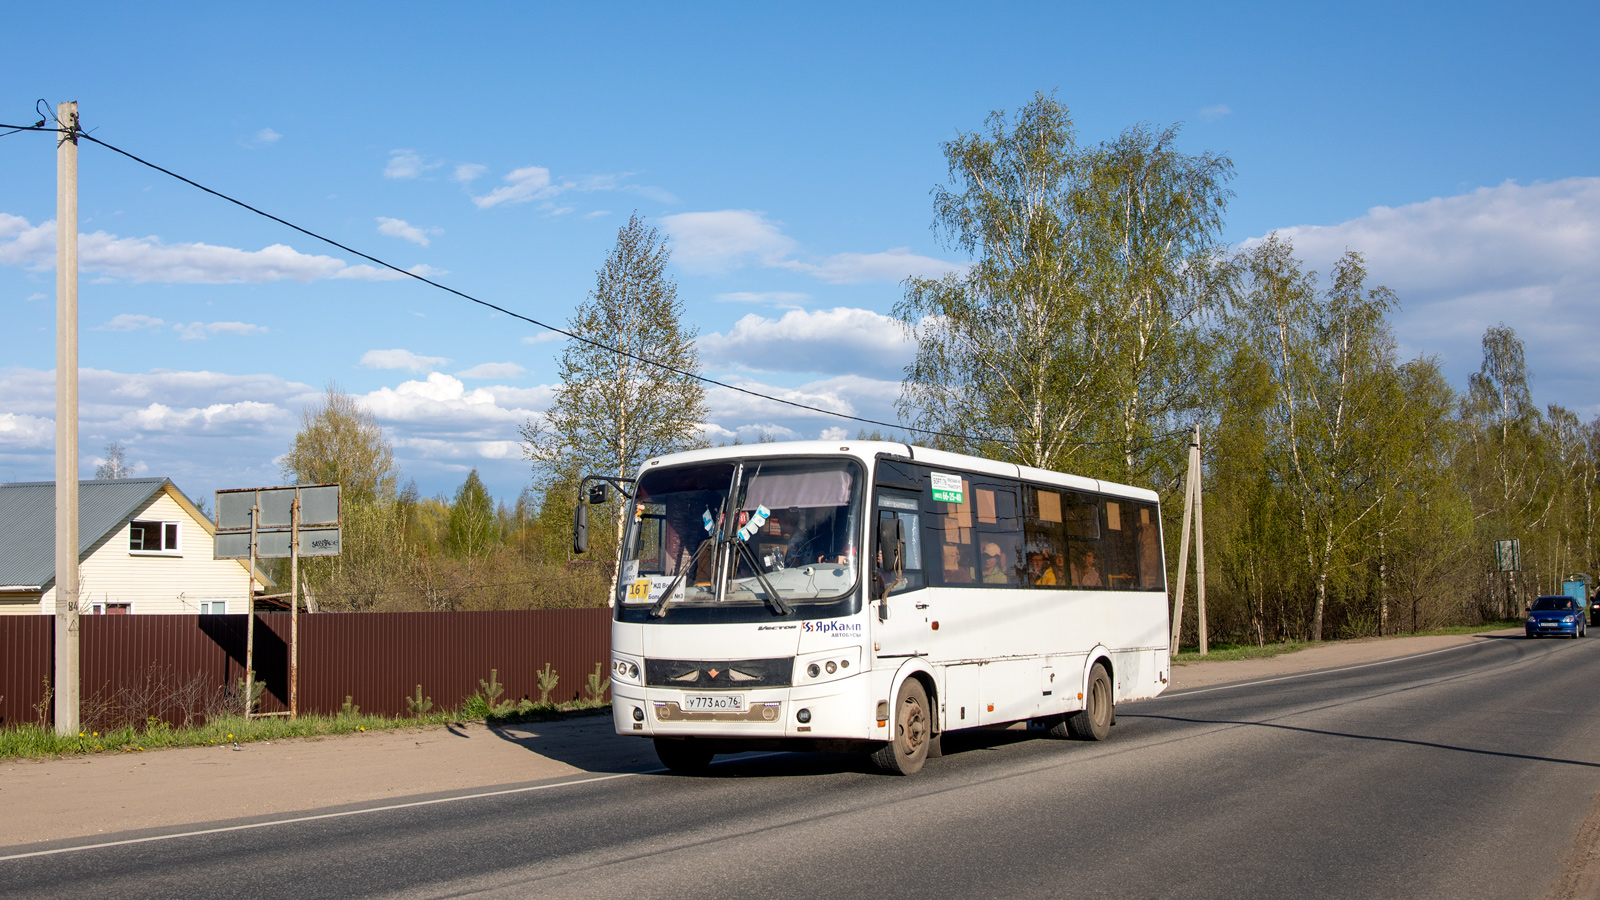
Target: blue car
pixel 1558 614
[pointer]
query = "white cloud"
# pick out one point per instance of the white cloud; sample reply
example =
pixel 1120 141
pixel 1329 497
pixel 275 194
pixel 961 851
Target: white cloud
pixel 199 331
pixel 544 337
pixel 839 340
pixel 493 370
pixel 130 322
pixel 834 434
pixel 715 242
pixel 891 265
pixel 407 164
pixel 595 214
pixel 720 240
pixel 34 296
pixel 1526 255
pixel 443 401
pixel 19 431
pixel 522 185
pixel 150 260
pixel 400 228
pixel 780 299
pixel 401 359
pixel 468 172
pixel 1213 113
pixel 267 136
pixel 160 417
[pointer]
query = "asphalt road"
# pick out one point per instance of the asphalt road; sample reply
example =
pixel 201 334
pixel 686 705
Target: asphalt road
pixel 1463 773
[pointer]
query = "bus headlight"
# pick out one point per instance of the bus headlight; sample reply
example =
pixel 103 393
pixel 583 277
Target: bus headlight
pixel 825 665
pixel 625 670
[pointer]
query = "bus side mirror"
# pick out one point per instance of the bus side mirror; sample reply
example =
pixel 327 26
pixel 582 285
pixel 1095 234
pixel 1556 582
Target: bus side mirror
pixel 891 537
pixel 580 529
pixel 597 493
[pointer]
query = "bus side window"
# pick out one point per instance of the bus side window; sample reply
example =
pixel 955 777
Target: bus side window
pixel 1119 564
pixel 1044 540
pixel 953 555
pixel 999 534
pixel 1085 562
pixel 1152 563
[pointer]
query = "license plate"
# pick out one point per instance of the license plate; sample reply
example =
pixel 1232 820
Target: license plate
pixel 714 703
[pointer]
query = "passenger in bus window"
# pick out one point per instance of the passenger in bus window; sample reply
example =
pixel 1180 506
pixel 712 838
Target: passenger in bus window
pixel 994 562
pixel 954 571
pixel 1039 572
pixel 1088 574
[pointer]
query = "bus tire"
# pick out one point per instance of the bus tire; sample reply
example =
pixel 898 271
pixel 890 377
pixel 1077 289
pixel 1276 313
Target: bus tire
pixel 905 753
pixel 683 756
pixel 1093 722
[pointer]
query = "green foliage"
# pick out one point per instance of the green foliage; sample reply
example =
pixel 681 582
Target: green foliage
pixel 1079 321
pixel 255 686
pixel 548 679
pixel 419 705
pixel 341 441
pixel 473 530
pixel 349 709
pixel 598 685
pixel 485 702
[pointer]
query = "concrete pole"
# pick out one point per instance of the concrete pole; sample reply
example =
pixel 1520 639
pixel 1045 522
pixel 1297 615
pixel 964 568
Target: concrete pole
pixel 1183 544
pixel 1199 540
pixel 67 673
pixel 294 607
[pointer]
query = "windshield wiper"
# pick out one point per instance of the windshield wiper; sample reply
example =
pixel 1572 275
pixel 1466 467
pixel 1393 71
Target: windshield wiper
pixel 772 598
pixel 659 610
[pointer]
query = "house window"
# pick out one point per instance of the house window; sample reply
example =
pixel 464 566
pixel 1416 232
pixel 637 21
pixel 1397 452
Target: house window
pixel 105 608
pixel 153 537
pixel 213 607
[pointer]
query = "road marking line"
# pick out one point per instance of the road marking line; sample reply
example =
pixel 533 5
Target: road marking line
pixel 319 816
pixel 1381 662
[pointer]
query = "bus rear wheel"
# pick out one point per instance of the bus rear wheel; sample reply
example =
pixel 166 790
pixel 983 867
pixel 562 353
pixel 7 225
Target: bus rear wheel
pixel 913 732
pixel 1093 722
pixel 683 755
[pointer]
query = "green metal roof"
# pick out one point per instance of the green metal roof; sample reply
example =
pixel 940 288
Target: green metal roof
pixel 28 522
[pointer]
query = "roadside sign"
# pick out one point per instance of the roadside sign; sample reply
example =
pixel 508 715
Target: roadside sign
pixel 1508 555
pixel 273 510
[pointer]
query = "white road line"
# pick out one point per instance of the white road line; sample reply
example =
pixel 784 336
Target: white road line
pixel 319 816
pixel 1381 662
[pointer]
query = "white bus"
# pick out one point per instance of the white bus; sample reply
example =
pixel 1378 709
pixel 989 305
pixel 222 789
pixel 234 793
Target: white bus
pixel 872 595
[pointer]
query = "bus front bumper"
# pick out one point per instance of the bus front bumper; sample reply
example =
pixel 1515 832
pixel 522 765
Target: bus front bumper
pixel 841 709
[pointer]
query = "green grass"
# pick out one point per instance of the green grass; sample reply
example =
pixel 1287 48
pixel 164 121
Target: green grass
pixel 36 741
pixel 1225 651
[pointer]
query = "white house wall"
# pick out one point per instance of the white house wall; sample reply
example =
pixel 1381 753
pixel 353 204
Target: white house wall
pixel 156 583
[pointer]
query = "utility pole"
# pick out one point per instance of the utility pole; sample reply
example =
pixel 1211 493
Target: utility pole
pixel 1192 513
pixel 67 671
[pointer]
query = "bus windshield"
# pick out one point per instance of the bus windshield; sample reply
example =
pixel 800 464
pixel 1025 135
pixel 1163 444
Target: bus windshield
pixel 790 527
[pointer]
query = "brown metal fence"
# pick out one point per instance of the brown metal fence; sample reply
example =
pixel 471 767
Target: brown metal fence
pixel 174 666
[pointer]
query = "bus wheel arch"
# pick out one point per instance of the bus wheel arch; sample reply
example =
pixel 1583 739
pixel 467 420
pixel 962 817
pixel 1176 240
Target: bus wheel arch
pixel 1093 722
pixel 911 721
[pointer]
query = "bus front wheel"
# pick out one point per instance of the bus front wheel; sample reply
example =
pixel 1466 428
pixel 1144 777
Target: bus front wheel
pixel 683 755
pixel 913 732
pixel 1093 722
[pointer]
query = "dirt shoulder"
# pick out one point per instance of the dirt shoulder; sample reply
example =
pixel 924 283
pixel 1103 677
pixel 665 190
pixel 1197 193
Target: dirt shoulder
pixel 78 797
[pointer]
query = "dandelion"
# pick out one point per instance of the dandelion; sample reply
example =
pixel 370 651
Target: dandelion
pixel 363 728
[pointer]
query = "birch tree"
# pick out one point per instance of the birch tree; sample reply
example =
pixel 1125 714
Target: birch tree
pixel 1076 320
pixel 611 411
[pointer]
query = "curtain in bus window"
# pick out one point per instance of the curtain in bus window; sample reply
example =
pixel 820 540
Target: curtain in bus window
pixel 998 534
pixel 952 556
pixel 803 490
pixel 1152 562
pixel 1120 549
pixel 1044 540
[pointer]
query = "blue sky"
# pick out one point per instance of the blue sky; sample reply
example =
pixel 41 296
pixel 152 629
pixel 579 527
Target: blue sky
pixel 788 154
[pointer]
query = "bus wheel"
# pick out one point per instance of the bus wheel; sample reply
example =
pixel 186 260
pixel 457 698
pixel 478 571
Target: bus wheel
pixel 682 755
pixel 1093 722
pixel 905 754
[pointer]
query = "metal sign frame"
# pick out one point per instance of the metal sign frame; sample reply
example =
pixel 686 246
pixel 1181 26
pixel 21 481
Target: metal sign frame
pixel 276 523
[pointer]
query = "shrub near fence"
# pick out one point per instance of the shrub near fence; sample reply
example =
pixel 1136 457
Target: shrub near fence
pixel 179 667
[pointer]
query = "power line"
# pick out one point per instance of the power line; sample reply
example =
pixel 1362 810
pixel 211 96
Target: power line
pixel 562 331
